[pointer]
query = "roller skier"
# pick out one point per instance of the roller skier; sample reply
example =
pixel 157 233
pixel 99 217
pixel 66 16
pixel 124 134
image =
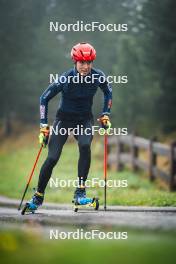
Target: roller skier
pixel 75 109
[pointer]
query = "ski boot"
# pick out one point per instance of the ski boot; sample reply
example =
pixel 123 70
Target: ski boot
pixel 80 200
pixel 34 203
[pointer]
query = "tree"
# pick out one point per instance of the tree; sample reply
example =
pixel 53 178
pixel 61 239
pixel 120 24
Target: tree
pixel 18 20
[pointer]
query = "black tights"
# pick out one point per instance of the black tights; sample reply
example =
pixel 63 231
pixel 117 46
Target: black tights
pixel 55 146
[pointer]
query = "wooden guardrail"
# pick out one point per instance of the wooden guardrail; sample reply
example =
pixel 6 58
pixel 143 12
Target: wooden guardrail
pixel 118 156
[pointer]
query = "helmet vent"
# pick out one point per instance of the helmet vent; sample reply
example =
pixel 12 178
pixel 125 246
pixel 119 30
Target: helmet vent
pixel 82 53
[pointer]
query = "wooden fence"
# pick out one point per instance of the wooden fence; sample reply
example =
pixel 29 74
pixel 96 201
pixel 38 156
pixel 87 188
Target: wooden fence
pixel 119 156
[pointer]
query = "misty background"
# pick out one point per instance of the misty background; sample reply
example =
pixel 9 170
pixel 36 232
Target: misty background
pixel 145 53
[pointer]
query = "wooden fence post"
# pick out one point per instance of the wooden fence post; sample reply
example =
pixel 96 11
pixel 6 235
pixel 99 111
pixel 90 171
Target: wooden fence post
pixel 172 183
pixel 120 149
pixel 152 159
pixel 134 153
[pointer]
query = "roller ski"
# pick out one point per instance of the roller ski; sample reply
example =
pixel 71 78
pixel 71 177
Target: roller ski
pixel 81 201
pixel 33 204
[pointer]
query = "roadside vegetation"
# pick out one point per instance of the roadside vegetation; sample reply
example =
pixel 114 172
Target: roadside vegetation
pixel 17 156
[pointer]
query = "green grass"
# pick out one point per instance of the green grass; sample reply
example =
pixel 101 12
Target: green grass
pixel 17 158
pixel 140 247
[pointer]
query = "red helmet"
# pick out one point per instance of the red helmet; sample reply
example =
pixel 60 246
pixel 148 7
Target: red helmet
pixel 83 52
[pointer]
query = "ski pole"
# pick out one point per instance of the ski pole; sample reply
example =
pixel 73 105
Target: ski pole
pixel 105 166
pixel 105 169
pixel 30 177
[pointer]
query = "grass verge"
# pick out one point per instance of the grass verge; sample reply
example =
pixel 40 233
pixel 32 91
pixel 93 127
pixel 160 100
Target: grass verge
pixel 140 247
pixel 17 156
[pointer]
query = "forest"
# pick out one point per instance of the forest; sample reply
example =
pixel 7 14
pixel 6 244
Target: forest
pixel 143 50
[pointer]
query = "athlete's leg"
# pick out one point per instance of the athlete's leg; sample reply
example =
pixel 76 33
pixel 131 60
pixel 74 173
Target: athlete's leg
pixel 84 143
pixel 55 146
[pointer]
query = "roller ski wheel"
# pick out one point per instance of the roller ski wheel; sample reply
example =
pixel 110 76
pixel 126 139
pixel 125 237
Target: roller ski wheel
pixel 75 209
pixel 86 203
pixel 29 208
pixel 33 204
pixel 95 203
pixel 24 209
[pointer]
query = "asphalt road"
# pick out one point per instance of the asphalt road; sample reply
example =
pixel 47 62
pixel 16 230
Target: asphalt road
pixel 59 215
